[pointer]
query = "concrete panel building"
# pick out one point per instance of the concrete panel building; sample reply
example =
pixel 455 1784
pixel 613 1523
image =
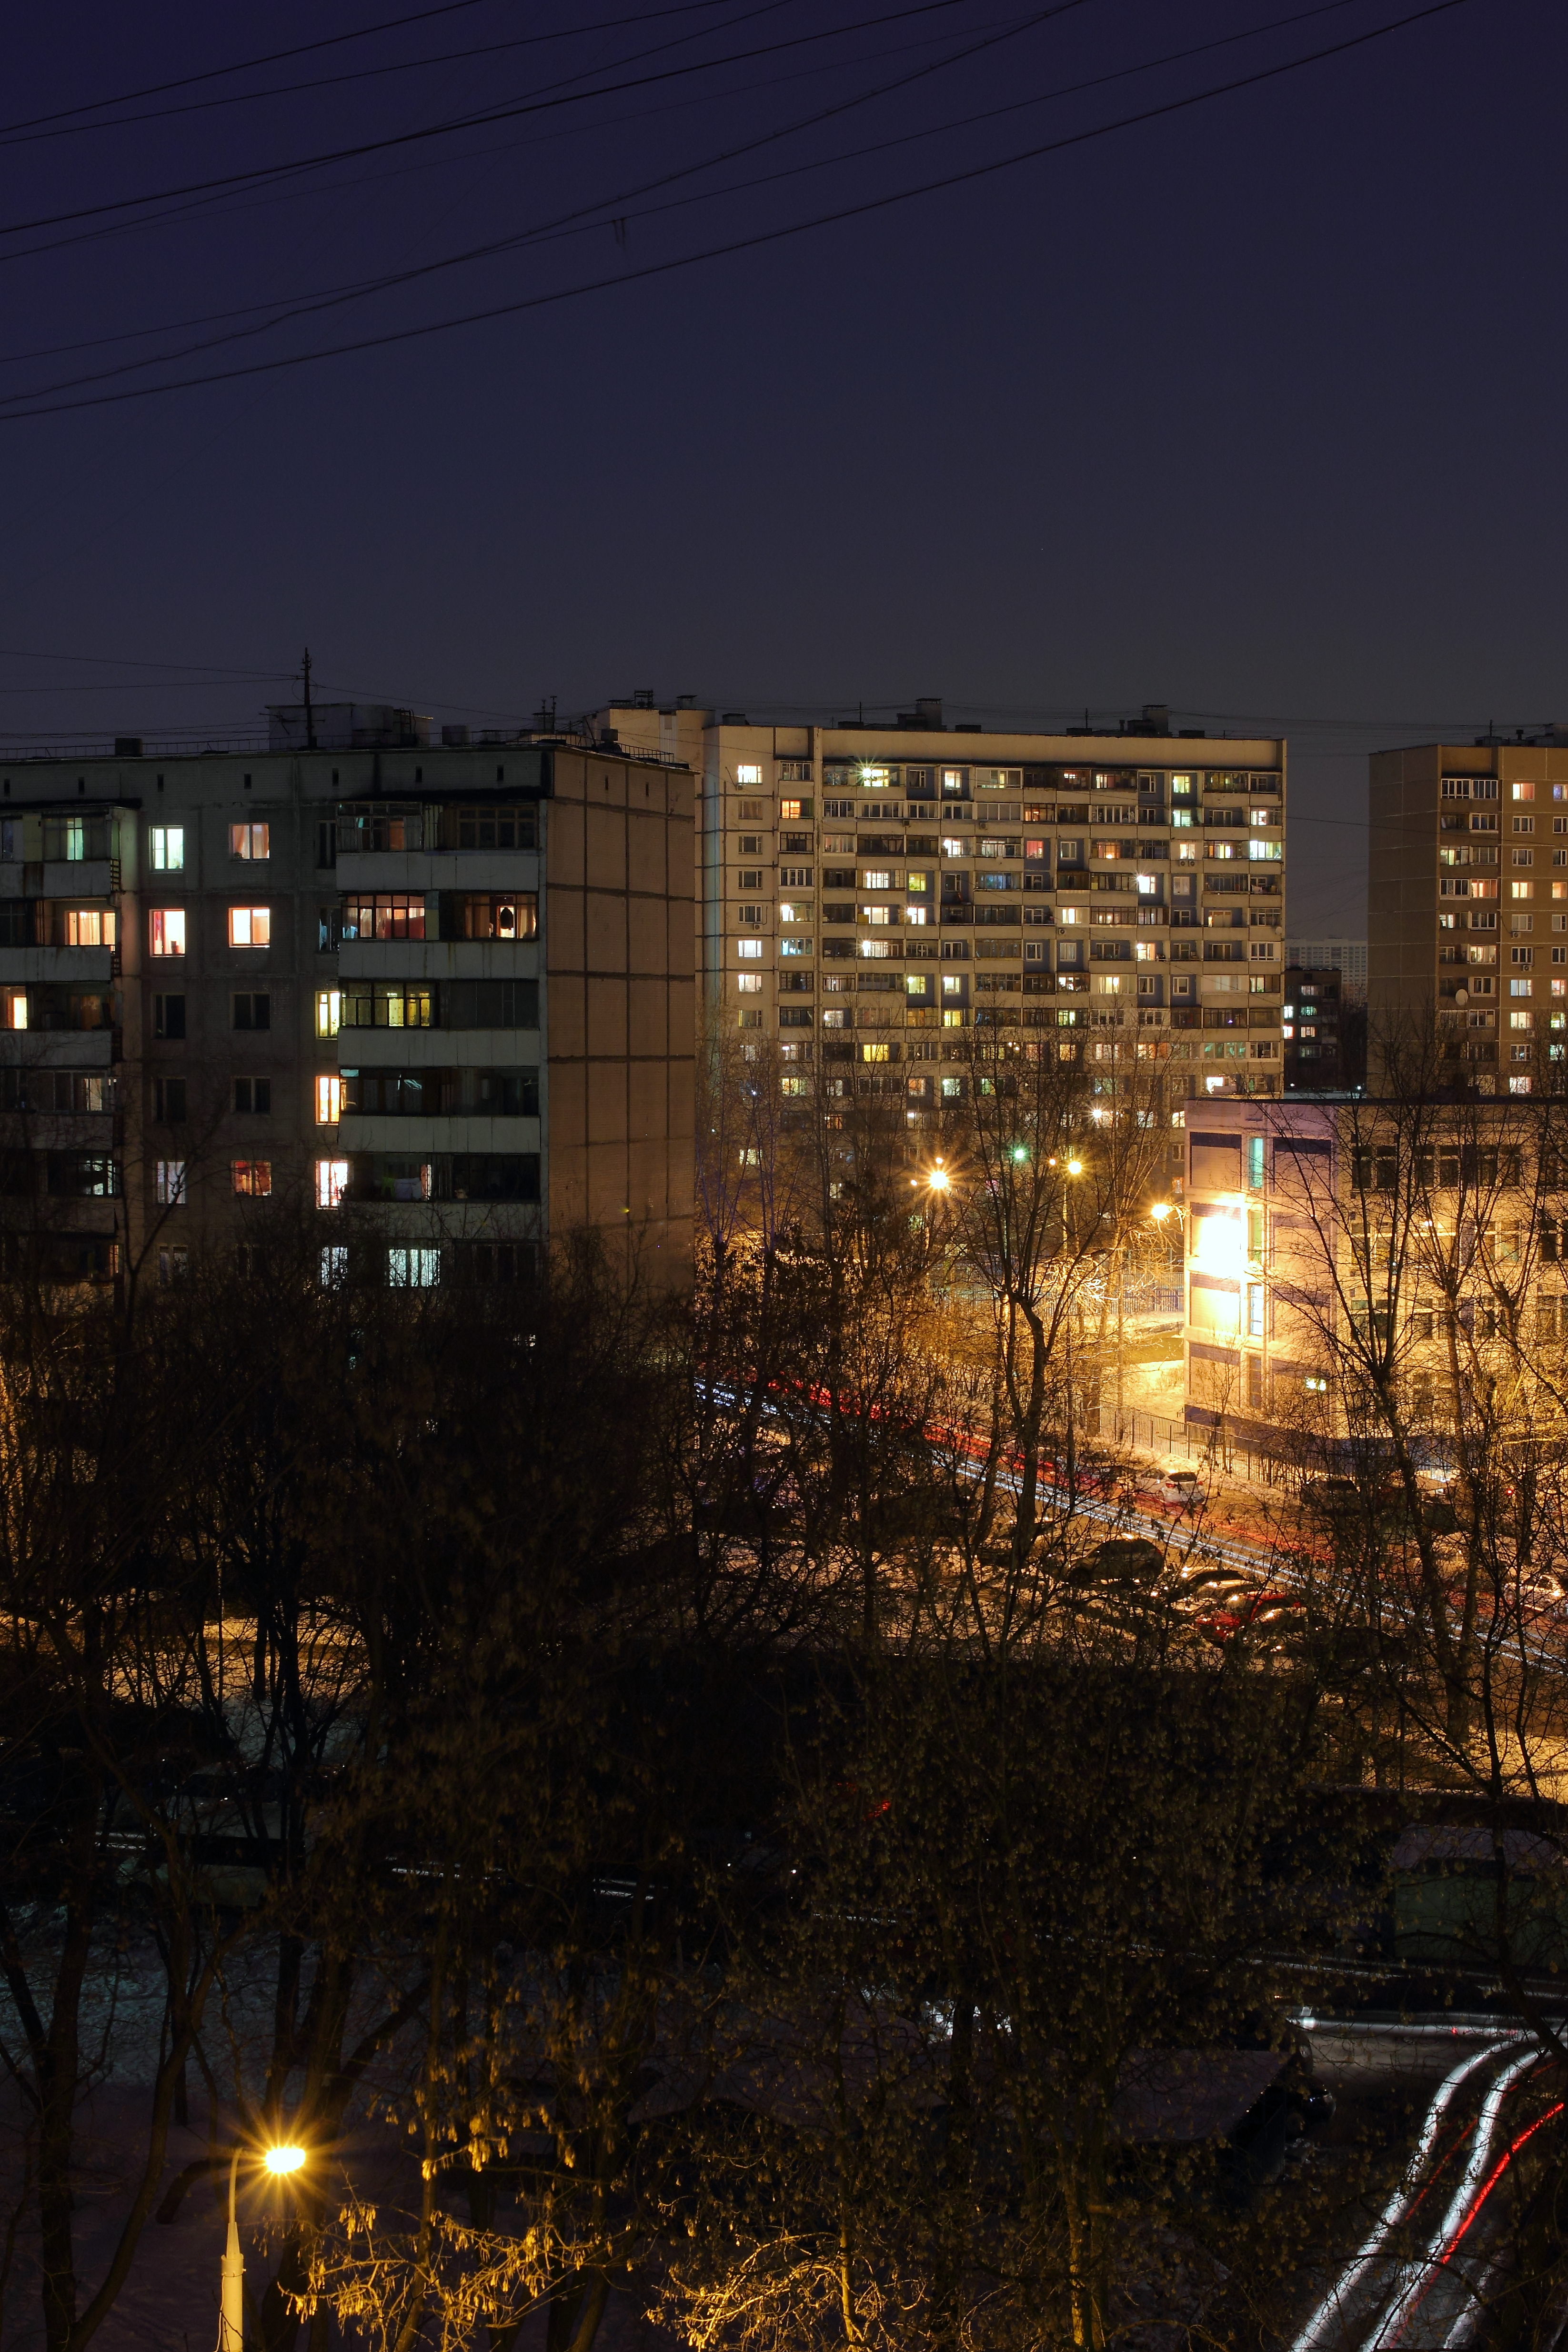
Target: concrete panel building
pixel 1467 903
pixel 442 991
pixel 871 893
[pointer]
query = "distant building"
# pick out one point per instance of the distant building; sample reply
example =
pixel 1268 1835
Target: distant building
pixel 1312 1010
pixel 1347 957
pixel 870 892
pixel 1469 902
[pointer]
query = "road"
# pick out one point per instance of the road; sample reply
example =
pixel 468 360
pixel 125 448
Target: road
pixel 1418 2276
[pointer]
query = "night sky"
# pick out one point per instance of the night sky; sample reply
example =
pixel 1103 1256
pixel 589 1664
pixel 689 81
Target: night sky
pixel 1256 408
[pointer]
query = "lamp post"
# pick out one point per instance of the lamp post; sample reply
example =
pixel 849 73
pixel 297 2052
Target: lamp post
pixel 231 2320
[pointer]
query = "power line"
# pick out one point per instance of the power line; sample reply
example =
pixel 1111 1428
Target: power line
pixel 587 217
pixel 867 206
pixel 478 121
pixel 333 41
pixel 30 133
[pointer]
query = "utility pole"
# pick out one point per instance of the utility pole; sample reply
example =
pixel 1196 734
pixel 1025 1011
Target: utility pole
pixel 309 714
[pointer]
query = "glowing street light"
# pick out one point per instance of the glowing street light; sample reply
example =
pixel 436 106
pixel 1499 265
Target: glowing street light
pixel 1160 1212
pixel 278 2160
pixel 1075 1168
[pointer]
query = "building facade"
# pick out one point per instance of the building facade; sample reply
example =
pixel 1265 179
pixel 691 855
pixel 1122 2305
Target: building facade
pixel 1314 1011
pixel 443 993
pixel 1432 1235
pixel 871 894
pixel 1347 957
pixel 1468 906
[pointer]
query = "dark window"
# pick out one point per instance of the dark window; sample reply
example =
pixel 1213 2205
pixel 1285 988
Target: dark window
pixel 489 1005
pixel 82 1176
pixel 329 930
pixel 253 1095
pixel 390 1094
pixel 326 842
pixel 252 1009
pixel 18 922
pixel 168 1016
pixel 495 1176
pixel 488 828
pixel 487 1264
pixel 168 1100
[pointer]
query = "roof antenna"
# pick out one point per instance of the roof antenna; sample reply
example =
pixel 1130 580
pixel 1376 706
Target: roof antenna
pixel 309 714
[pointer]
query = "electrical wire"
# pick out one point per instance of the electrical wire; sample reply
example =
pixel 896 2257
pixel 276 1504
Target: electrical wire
pixel 588 216
pixel 23 134
pixel 867 206
pixel 333 41
pixel 224 208
pixel 478 121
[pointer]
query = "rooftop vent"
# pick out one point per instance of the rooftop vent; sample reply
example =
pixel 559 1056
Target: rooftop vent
pixel 127 747
pixel 455 737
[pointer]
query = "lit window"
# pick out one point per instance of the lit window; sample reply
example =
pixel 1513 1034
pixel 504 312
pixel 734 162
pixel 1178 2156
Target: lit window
pixel 918 882
pixel 250 841
pixel 877 914
pixel 954 780
pixel 1521 1021
pixel 328 1012
pixel 878 878
pixel 749 950
pixel 1255 1311
pixel 1147 885
pixel 170 1185
pixel 749 773
pixel 1521 889
pixel 335 1266
pixel 1262 849
pixel 795 946
pixel 167 931
pixel 792 811
pixel 167 847
pixel 792 1085
pixel 414 1269
pixel 876 1053
pixel 1524 791
pixel 249 926
pixel 329 1100
pixel 332 1183
pixel 748 984
pixel 174 1264
pixel 252 1178
pixel 88 927
pixel 1181 816
pixel 917 915
pixel 1519 987
pixel 13 1008
pixel 951 985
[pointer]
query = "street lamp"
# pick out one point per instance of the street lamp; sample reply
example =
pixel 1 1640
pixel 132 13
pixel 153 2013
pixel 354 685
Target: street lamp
pixel 278 2160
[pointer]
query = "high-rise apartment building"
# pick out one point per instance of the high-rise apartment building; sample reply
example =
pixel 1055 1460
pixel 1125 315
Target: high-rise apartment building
pixel 1467 908
pixel 443 991
pixel 869 894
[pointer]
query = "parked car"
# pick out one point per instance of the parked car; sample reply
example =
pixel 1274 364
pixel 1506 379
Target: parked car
pixel 1183 1487
pixel 1124 1559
